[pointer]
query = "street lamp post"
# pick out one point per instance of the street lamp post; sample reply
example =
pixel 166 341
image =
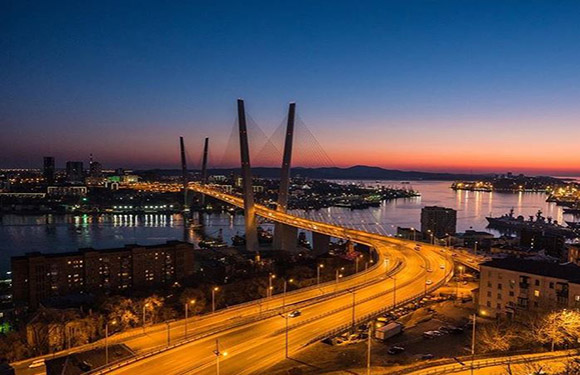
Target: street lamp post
pixel 107 341
pixel 213 290
pixel 186 313
pixel 366 269
pixel 270 287
pixel 394 290
pixel 473 342
pixel 286 334
pixel 218 354
pixel 284 295
pixel 338 276
pixel 369 349
pixel 145 306
pixel 353 309
pixel 318 273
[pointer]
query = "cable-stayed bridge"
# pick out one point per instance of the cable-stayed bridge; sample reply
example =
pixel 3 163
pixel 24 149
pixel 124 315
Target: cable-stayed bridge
pixel 258 334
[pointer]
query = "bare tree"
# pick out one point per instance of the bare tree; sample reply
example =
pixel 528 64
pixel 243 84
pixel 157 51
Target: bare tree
pixel 497 336
pixel 559 327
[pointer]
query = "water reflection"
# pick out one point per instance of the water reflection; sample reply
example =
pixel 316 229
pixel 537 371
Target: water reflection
pixel 56 233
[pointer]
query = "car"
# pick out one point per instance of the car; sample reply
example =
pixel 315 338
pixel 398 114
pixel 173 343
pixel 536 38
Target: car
pixel 85 366
pixel 427 356
pixel 445 329
pixel 442 266
pixel 454 254
pixel 383 319
pixel 455 330
pixel 428 282
pixel 395 350
pixel 36 363
pixel 429 335
pixel 295 314
pixel 363 327
pixel 429 270
pixel 464 283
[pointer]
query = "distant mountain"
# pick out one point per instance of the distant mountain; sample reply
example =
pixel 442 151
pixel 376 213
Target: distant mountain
pixel 358 172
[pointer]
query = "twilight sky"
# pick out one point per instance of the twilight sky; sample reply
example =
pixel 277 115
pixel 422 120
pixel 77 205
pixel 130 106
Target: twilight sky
pixel 444 85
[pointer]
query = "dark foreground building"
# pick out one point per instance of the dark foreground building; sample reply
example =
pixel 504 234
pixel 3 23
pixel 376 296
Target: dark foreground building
pixel 439 221
pixel 37 277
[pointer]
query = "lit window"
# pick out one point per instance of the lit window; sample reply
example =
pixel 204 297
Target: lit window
pixel 536 293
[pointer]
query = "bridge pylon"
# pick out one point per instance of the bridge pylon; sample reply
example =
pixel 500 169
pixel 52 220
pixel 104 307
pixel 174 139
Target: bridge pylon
pixel 248 191
pixel 285 237
pixel 185 179
pixel 204 168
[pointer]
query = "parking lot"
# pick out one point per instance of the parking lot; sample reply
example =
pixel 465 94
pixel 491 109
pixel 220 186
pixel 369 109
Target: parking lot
pixel 449 318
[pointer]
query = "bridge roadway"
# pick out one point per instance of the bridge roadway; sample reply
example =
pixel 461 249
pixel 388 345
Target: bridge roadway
pixel 254 346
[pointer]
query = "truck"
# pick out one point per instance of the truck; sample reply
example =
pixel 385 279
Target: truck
pixel 388 331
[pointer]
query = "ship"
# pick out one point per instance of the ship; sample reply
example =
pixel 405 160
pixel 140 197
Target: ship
pixel 572 210
pixel 213 242
pixel 539 223
pixel 264 237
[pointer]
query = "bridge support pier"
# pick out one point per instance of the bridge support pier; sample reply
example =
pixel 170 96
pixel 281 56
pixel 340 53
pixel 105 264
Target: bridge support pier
pixel 320 243
pixel 249 208
pixel 285 237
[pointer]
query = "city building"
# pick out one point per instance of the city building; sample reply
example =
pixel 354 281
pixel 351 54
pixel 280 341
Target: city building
pixel 75 171
pixel 67 191
pixel 511 285
pixel 537 240
pixel 48 169
pixel 438 221
pixel 129 179
pixel 40 277
pixel 472 239
pixel 95 169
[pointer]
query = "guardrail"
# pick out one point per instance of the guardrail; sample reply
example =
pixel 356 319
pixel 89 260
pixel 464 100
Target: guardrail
pixel 367 317
pixel 342 308
pixel 319 227
pixel 436 369
pixel 268 314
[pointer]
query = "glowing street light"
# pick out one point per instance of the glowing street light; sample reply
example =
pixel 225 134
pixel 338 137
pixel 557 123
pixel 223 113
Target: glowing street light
pixel 213 290
pixel 190 302
pixel 218 354
pixel 318 273
pixel 114 322
pixel 145 307
pixel 270 287
pixel 284 295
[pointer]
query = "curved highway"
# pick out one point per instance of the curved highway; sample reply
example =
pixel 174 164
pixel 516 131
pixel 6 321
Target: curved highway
pixel 260 342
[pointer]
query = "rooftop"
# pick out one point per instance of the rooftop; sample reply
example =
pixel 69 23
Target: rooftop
pixel 81 251
pixel 567 271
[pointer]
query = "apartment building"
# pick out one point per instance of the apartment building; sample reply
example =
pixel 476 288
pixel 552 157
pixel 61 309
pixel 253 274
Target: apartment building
pixel 511 284
pixel 37 277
